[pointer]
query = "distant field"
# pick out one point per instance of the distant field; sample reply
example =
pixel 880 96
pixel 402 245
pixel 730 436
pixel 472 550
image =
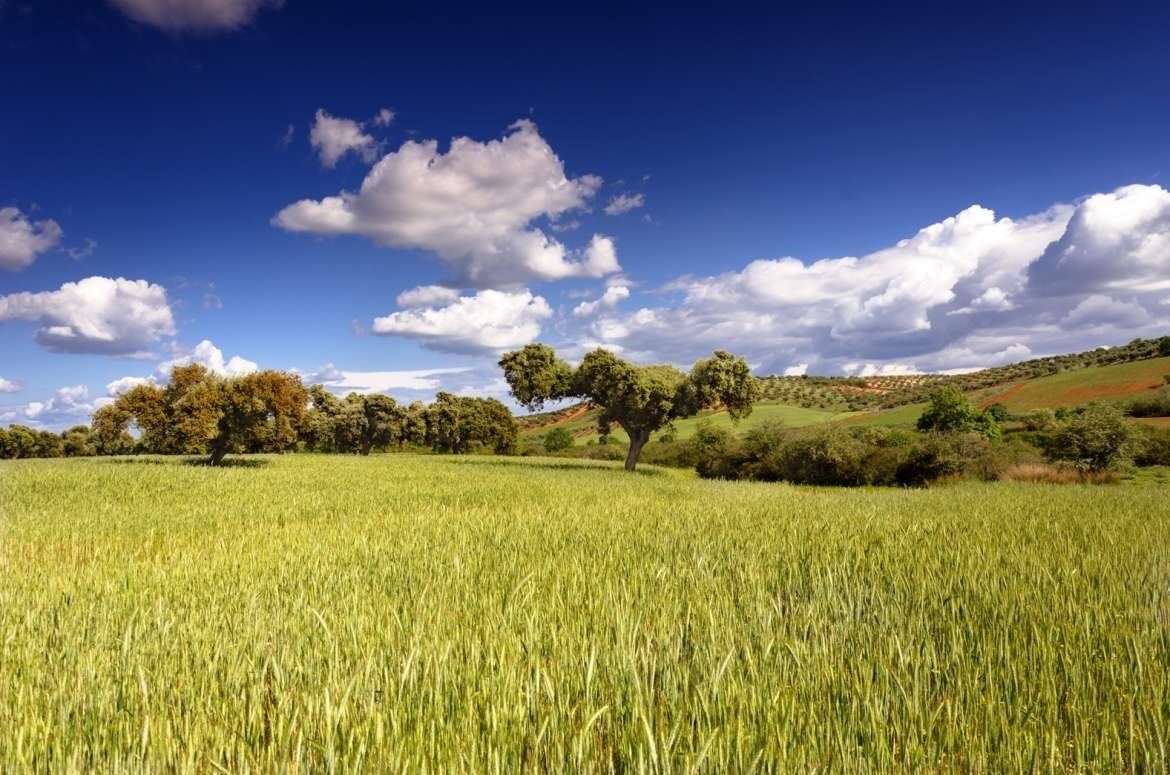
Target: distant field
pixel 584 427
pixel 1118 382
pixel 419 613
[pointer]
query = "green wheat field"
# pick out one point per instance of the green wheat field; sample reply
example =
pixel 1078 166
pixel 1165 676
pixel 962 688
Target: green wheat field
pixel 407 613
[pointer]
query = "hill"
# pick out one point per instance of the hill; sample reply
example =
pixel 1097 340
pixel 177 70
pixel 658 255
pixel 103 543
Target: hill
pixel 1109 374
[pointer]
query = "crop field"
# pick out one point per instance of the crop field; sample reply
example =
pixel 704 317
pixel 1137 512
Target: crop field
pixel 403 612
pixel 1117 382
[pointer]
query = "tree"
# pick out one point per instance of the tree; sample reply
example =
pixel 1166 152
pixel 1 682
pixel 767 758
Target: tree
pixel 456 424
pixel 48 444
pixel 639 399
pixel 77 441
pixel 201 413
pixel 1096 439
pixel 5 445
pixel 22 441
pixel 356 424
pixel 951 412
pixel 557 439
pixel 108 431
pixel 1164 347
pixel 999 412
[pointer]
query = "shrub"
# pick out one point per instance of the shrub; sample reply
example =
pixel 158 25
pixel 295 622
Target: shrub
pixel 557 439
pixel 951 412
pixel 999 412
pixel 1039 420
pixel 1152 447
pixel 1156 405
pixel 1097 439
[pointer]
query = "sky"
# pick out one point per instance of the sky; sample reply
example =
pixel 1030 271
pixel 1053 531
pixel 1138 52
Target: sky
pixel 385 196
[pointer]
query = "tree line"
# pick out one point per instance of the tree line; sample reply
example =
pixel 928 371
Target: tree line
pixel 200 413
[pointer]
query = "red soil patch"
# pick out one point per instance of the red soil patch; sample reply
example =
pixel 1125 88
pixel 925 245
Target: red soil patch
pixel 1089 392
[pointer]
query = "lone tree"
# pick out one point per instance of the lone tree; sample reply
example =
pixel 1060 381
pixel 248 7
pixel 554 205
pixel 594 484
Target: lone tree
pixel 951 412
pixel 199 413
pixel 639 399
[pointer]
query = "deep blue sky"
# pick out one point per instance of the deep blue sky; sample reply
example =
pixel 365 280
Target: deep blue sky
pixel 766 130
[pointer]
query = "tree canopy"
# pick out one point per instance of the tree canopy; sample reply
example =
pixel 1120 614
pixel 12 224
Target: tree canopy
pixel 951 412
pixel 638 399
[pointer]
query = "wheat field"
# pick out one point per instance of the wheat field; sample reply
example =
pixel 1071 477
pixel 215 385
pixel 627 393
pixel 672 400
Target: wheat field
pixel 419 613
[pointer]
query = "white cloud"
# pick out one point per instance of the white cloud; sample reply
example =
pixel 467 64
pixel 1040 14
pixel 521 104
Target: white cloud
pixel 489 321
pixel 384 118
pixel 9 386
pixel 1118 241
pixel 95 315
pixel 334 137
pixel 123 384
pixel 67 406
pixel 799 370
pixel 1100 310
pixel 22 240
pixel 473 206
pixel 211 357
pixel 608 300
pixel 194 15
pixel 342 381
pixel 879 370
pixel 970 290
pixel 624 203
pixel 427 296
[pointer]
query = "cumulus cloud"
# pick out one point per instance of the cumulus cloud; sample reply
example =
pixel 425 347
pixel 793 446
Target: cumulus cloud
pixel 123 384
pixel 797 370
pixel 490 321
pixel 1118 241
pixel 22 240
pixel 334 137
pixel 474 206
pixel 95 315
pixel 384 118
pixel 624 203
pixel 194 15
pixel 67 406
pixel 9 386
pixel 211 357
pixel 344 381
pixel 608 300
pixel 427 296
pixel 971 290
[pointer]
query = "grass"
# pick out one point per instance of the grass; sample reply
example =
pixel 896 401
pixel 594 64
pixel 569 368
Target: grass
pixel 424 613
pixel 1115 383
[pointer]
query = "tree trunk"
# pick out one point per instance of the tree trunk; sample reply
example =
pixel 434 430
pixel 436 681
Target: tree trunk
pixel 638 440
pixel 217 456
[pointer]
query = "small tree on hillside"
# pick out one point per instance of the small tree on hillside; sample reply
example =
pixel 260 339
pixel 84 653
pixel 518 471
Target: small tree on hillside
pixel 639 399
pixel 557 439
pixel 951 412
pixel 1096 439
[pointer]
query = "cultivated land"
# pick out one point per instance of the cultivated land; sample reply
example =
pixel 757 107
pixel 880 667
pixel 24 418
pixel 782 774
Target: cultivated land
pixel 407 612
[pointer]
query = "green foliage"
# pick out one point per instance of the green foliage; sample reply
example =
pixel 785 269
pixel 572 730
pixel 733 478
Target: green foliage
pixel 1155 405
pixel 639 399
pixel 1164 346
pixel 1152 447
pixel 999 412
pixel 199 413
pixel 1096 439
pixel 557 439
pixel 951 412
pixel 460 424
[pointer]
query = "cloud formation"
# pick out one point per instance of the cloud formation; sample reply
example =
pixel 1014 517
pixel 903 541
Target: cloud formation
pixel 333 137
pixel 608 300
pixel 624 203
pixel 67 406
pixel 971 290
pixel 22 240
pixel 9 386
pixel 488 322
pixel 344 381
pixel 194 15
pixel 474 206
pixel 95 315
pixel 209 356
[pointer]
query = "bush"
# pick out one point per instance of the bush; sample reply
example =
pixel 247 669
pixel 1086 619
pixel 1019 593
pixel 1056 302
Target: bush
pixel 557 439
pixel 1156 405
pixel 999 412
pixel 951 412
pixel 1039 420
pixel 1097 439
pixel 1152 447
